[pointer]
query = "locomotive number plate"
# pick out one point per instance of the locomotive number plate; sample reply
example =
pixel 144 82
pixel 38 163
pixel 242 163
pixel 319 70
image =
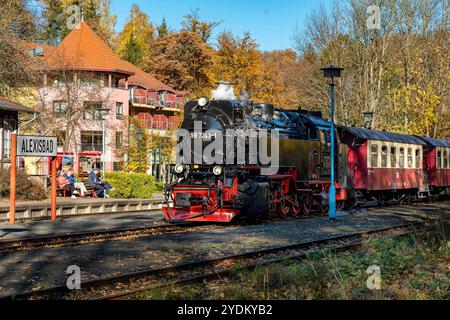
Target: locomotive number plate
pixel 203 135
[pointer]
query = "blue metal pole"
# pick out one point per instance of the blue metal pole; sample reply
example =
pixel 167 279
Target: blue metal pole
pixel 332 203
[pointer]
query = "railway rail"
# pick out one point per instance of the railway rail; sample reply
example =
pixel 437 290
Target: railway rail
pixel 126 285
pixel 97 236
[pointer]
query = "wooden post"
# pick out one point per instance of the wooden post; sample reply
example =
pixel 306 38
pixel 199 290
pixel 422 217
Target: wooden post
pixel 12 180
pixel 53 196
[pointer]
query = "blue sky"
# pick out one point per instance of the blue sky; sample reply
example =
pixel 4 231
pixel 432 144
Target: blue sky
pixel 270 22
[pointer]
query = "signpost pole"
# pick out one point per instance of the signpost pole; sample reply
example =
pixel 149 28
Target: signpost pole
pixel 12 186
pixel 53 200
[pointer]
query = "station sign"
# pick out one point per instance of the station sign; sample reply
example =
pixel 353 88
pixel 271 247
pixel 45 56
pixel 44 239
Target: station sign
pixel 37 146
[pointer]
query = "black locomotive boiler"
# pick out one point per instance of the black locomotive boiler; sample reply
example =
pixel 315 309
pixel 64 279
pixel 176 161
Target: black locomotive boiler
pixel 241 184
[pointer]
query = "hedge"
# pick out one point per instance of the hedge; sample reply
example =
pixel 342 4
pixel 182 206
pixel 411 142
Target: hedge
pixel 131 185
pixel 26 187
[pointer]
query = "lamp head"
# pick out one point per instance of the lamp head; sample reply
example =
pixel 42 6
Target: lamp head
pixel 139 134
pixel 331 72
pixel 368 115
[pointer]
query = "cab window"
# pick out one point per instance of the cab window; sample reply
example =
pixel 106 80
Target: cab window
pixel 384 154
pixel 410 158
pixel 401 161
pixel 393 157
pixel 374 155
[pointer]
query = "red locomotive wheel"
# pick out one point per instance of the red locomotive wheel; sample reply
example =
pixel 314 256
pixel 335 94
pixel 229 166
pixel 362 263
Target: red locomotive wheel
pixel 307 204
pixel 284 208
pixel 295 210
pixel 295 207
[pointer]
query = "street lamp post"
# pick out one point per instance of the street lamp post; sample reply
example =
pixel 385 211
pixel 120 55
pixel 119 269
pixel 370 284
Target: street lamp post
pixel 368 115
pixel 103 112
pixel 139 139
pixel 332 72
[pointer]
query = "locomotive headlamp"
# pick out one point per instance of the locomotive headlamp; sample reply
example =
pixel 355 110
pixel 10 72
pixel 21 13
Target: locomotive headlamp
pixel 217 170
pixel 203 102
pixel 179 168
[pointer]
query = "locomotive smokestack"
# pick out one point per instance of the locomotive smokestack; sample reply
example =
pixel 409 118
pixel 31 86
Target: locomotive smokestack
pixel 224 91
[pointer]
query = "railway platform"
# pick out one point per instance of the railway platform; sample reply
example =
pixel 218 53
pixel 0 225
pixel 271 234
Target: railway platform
pixel 27 229
pixel 26 210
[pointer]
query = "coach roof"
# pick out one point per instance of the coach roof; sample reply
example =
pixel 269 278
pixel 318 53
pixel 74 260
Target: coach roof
pixel 435 142
pixel 367 134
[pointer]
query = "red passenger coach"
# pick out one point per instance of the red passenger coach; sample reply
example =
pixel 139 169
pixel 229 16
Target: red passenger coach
pixel 437 164
pixel 379 162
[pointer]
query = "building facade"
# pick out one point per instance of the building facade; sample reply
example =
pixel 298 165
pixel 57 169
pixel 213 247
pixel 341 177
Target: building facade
pixel 87 95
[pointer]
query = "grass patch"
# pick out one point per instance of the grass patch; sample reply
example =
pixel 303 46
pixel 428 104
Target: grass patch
pixel 416 266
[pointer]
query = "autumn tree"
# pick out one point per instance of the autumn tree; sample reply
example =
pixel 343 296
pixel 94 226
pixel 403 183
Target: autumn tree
pixel 163 29
pixel 136 38
pixel 400 69
pixel 57 14
pixel 238 60
pixel 18 71
pixel 135 151
pixel 182 60
pixel 54 20
pixel 193 22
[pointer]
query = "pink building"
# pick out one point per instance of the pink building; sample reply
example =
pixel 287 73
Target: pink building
pixel 85 85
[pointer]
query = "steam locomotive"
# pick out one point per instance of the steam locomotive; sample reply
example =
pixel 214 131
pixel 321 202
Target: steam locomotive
pixel 370 165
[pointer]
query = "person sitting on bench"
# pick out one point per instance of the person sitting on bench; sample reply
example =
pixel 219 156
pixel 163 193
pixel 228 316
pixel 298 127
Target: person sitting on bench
pixel 77 185
pixel 100 186
pixel 65 184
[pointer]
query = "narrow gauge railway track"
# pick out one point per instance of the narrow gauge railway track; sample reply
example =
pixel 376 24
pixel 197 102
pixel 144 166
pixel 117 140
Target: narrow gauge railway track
pixel 94 236
pixel 98 236
pixel 126 285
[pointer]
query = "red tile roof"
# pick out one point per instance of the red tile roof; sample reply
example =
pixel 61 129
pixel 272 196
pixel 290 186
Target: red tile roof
pixel 83 49
pixel 145 80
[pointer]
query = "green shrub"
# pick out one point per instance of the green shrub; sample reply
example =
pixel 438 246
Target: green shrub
pixel 131 185
pixel 26 188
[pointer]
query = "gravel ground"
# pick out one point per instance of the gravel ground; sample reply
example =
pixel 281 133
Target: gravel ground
pixel 26 270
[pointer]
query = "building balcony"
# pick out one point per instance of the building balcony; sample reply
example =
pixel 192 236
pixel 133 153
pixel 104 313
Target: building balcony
pixel 146 102
pixel 91 147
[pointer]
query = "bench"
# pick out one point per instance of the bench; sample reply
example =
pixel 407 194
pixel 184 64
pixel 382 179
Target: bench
pixel 63 191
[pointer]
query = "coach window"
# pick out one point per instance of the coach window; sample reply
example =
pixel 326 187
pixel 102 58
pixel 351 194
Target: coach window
pixel 393 156
pixel 401 161
pixel 384 154
pixel 374 156
pixel 410 158
pixel 438 159
pixel 417 156
pixel 445 166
